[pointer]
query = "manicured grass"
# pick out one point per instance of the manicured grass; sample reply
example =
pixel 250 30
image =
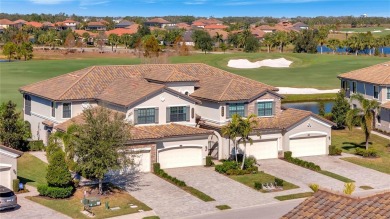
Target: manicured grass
pixel 291 98
pixel 250 179
pixel 336 176
pixel 366 187
pixel 31 170
pixel 197 193
pixel 73 207
pixel 223 207
pixel 294 196
pixel 348 141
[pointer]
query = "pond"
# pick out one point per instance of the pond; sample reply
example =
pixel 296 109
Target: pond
pixel 314 107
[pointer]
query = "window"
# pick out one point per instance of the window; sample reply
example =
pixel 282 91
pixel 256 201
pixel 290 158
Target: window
pixel 344 85
pixel 376 92
pixel 53 109
pixel 66 110
pixel 354 87
pixel 27 105
pixel 223 111
pixel 178 113
pixel 192 113
pixel 265 108
pixel 388 93
pixel 146 116
pixel 236 108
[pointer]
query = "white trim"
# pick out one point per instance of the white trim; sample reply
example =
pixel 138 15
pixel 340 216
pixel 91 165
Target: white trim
pixel 321 122
pixel 215 121
pixel 43 117
pixel 308 132
pixel 265 100
pixel 5 165
pixel 182 146
pixel 179 105
pixel 9 154
pixel 146 107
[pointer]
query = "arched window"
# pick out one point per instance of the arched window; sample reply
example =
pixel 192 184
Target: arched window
pixel 27 105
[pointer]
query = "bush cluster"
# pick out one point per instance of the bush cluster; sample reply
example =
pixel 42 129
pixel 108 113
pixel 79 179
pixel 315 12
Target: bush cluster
pixel 371 152
pixel 209 162
pixel 333 150
pixel 279 182
pixel 309 165
pixel 35 145
pixel 233 168
pixel 163 174
pixel 55 192
pixel 258 185
pixel 15 185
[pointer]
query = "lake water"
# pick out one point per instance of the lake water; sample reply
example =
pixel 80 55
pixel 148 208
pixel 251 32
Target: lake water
pixel 310 106
pixel 325 49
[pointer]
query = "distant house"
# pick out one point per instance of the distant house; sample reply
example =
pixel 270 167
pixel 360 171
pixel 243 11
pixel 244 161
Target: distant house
pixel 124 24
pixel 34 24
pixel 5 23
pixel 98 26
pixel 300 26
pixel 48 25
pixel 215 27
pixel 266 28
pixel 121 31
pixel 70 24
pixel 187 38
pixel 158 22
pixel 183 26
pixel 19 23
pixel 8 165
pixel 211 23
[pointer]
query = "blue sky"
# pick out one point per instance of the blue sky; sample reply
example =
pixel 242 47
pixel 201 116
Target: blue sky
pixel 216 8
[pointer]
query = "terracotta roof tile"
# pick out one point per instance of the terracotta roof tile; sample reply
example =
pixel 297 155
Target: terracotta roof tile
pixel 159 20
pixel 120 31
pixel 386 105
pixel 215 26
pixel 96 23
pixel 168 75
pixel 325 204
pixel 376 74
pixel 34 24
pixel 6 22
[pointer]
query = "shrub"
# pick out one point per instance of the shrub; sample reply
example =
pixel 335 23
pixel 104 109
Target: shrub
pixel 58 174
pixel 156 167
pixel 349 188
pixel 287 155
pixel 253 169
pixel 76 182
pixel 165 175
pixel 371 152
pixel 15 185
pixel 55 192
pixel 35 145
pixel 328 116
pixel 333 150
pixel 236 172
pixel 302 163
pixel 225 166
pixel 258 185
pixel 314 187
pixel 249 162
pixel 209 162
pixel 52 148
pixel 279 182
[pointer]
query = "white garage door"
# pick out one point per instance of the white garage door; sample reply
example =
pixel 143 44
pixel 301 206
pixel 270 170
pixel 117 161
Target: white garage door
pixel 142 161
pixel 266 149
pixel 308 146
pixel 5 174
pixel 180 157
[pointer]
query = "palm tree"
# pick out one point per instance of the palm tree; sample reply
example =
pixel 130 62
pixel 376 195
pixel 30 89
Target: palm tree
pixel 333 44
pixel 269 41
pixel 322 35
pixel 245 127
pixel 231 130
pixel 363 116
pixel 281 39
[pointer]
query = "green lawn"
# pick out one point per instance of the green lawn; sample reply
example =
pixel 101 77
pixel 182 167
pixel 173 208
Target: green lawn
pixel 31 170
pixel 308 70
pixel 348 141
pixel 294 196
pixel 223 207
pixel 290 98
pixel 366 29
pixel 250 179
pixel 73 207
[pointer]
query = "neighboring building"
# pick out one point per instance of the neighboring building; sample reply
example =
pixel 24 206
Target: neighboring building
pixel 183 26
pixel 178 111
pixel 374 84
pixel 19 23
pixel 266 28
pixel 300 26
pixel 69 24
pixel 158 22
pixel 124 24
pixel 8 165
pixel 120 31
pixel 328 204
pixel 48 25
pixel 97 26
pixel 210 23
pixel 34 24
pixel 187 38
pixel 5 23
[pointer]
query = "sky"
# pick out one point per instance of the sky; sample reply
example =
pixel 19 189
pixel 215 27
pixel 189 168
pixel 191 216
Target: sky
pixel 206 8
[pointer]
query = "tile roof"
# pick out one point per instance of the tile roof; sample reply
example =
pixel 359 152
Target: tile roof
pixel 266 27
pixel 81 32
pixel 85 84
pixel 8 149
pixel 20 21
pixel 207 21
pixel 375 74
pixel 168 75
pixel 183 25
pixel 326 204
pixel 96 23
pixel 120 31
pixel 386 105
pixel 34 24
pixel 6 22
pixel 68 21
pixel 48 24
pixel 214 32
pixel 158 20
pixel 215 26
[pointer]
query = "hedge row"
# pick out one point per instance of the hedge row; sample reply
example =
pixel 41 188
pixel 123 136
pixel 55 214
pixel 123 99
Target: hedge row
pixel 55 192
pixel 333 150
pixel 371 152
pixel 309 165
pixel 158 171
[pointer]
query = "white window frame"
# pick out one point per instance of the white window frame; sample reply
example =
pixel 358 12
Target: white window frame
pixel 266 100
pixel 71 110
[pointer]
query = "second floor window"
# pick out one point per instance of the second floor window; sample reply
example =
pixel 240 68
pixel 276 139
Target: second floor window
pixel 236 108
pixel 66 110
pixel 354 87
pixel 178 113
pixel 344 85
pixel 376 92
pixel 146 116
pixel 53 109
pixel 27 105
pixel 265 108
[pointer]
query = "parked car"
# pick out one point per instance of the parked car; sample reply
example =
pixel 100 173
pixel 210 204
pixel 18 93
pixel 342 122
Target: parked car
pixel 8 198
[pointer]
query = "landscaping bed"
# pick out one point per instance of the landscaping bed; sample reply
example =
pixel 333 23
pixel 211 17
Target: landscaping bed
pixel 72 206
pixel 260 177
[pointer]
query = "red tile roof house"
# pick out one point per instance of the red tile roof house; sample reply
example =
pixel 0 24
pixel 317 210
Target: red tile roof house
pixel 159 22
pixel 99 26
pixel 178 111
pixel 374 84
pixel 5 23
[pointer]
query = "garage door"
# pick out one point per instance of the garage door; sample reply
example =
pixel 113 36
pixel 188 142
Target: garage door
pixel 5 174
pixel 142 161
pixel 180 157
pixel 263 149
pixel 301 147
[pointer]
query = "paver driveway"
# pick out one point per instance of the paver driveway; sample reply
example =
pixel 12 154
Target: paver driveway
pixel 298 175
pixel 167 200
pixel 223 189
pixel 362 175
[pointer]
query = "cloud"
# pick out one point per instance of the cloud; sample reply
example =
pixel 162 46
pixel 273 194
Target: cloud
pixel 49 2
pixel 92 2
pixel 196 2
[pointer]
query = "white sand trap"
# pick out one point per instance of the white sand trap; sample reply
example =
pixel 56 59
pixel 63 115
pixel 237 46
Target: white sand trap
pixel 291 90
pixel 245 63
pixel 377 31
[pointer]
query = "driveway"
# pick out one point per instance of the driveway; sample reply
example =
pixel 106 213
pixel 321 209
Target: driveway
pixel 299 176
pixel 167 200
pixel 363 176
pixel 223 189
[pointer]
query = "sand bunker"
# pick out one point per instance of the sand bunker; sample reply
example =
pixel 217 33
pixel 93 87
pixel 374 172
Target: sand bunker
pixel 245 63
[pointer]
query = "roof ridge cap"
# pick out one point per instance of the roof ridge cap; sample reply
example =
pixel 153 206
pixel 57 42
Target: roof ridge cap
pixel 71 86
pixel 220 97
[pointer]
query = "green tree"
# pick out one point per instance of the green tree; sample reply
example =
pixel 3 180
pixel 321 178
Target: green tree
pixel 321 110
pixel 364 116
pixel 9 50
pixel 151 46
pixel 333 44
pixel 231 130
pixel 113 40
pixel 233 39
pixel 143 30
pixel 281 39
pixel 13 130
pixel 340 109
pixel 269 41
pixel 70 41
pixel 245 128
pixel 322 36
pixel 306 42
pixel 100 142
pixel 202 40
pixel 126 39
pixel 58 174
pixel 252 44
pixel 223 47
